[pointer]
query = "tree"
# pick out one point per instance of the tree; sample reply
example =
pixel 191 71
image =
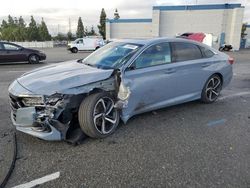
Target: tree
pixel 20 32
pixel 11 22
pixel 86 32
pixel 116 15
pixel 33 32
pixel 92 31
pixel 69 36
pixel 43 32
pixel 102 26
pixel 60 37
pixel 80 29
pixel 243 30
pixel 21 22
pixel 4 24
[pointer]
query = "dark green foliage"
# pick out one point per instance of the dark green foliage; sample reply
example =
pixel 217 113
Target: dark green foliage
pixel 43 32
pixel 102 26
pixel 33 32
pixel 116 15
pixel 17 30
pixel 80 29
pixel 69 36
pixel 92 31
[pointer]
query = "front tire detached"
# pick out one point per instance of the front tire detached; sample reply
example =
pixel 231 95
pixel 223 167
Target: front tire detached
pixel 212 89
pixel 98 118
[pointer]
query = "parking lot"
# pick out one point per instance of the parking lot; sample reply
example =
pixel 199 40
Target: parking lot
pixel 189 145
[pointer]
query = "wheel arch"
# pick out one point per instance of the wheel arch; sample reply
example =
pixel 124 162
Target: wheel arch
pixel 33 54
pixel 220 75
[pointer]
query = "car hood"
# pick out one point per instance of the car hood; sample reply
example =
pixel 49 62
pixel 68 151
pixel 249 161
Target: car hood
pixel 58 78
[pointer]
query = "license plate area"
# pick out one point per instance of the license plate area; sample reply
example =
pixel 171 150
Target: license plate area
pixel 25 117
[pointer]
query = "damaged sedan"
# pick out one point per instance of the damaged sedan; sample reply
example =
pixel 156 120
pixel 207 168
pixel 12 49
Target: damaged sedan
pixel 118 81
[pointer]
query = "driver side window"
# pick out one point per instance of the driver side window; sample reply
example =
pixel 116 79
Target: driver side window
pixel 155 55
pixel 10 47
pixel 80 41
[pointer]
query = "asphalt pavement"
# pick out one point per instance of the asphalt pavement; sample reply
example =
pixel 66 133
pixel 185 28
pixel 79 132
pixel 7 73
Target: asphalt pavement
pixel 188 145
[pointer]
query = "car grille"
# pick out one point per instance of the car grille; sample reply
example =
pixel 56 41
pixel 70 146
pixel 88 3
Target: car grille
pixel 15 103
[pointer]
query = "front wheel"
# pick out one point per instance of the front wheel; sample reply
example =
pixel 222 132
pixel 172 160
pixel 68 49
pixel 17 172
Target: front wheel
pixel 33 58
pixel 74 50
pixel 212 89
pixel 98 118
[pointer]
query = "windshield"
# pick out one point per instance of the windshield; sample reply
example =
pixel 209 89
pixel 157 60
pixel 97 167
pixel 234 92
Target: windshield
pixel 112 56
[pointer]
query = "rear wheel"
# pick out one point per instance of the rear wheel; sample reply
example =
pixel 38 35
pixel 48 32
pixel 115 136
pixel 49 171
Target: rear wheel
pixel 212 89
pixel 33 58
pixel 98 118
pixel 74 50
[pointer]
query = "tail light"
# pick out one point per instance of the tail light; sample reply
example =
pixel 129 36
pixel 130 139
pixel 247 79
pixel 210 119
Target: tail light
pixel 231 60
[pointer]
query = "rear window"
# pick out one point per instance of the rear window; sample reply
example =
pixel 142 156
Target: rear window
pixel 185 51
pixel 206 52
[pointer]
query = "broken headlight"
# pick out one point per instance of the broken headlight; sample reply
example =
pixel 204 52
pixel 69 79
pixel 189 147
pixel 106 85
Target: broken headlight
pixel 54 99
pixel 33 100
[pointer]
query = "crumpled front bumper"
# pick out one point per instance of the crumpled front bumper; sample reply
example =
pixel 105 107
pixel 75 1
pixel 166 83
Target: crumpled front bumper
pixel 26 119
pixel 52 135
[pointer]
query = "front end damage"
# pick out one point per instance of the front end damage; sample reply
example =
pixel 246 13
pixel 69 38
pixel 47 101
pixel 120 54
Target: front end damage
pixel 55 117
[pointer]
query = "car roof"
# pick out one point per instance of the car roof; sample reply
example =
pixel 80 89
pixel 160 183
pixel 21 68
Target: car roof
pixel 5 42
pixel 149 41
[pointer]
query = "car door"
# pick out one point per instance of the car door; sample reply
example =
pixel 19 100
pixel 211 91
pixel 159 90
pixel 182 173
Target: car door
pixel 192 68
pixel 149 79
pixel 80 44
pixel 13 53
pixel 2 53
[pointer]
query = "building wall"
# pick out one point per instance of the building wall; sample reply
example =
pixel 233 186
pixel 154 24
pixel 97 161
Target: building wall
pixel 130 29
pixel 234 25
pixel 216 22
pixel 223 21
pixel 177 22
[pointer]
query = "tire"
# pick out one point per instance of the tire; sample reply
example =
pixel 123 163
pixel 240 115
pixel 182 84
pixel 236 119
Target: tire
pixel 33 58
pixel 94 120
pixel 74 50
pixel 212 89
pixel 221 49
pixel 97 47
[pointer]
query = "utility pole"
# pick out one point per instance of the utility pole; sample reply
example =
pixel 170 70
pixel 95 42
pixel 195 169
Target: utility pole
pixel 69 25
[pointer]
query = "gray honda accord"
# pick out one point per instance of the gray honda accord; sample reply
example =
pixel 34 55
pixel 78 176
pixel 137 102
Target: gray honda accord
pixel 118 81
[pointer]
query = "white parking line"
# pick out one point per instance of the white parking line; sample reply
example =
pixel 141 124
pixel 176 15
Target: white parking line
pixel 39 181
pixel 235 95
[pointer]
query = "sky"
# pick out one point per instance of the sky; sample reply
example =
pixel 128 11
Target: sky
pixel 57 13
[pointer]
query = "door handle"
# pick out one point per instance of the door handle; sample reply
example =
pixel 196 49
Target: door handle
pixel 169 71
pixel 205 64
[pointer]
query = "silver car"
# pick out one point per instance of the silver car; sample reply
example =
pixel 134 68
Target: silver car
pixel 118 81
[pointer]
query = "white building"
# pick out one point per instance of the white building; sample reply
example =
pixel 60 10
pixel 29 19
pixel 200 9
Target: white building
pixel 224 21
